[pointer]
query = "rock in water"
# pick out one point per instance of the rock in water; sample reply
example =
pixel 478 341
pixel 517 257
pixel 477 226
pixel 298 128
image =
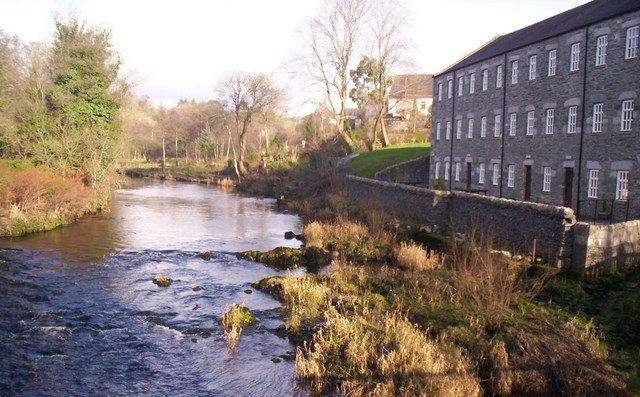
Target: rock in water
pixel 162 281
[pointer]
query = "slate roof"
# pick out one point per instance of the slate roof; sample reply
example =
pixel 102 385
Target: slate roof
pixel 574 19
pixel 412 86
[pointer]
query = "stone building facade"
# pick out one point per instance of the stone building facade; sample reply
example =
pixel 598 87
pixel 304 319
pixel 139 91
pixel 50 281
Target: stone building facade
pixel 548 113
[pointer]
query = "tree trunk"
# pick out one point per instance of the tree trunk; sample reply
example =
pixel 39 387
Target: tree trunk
pixel 241 140
pixel 164 153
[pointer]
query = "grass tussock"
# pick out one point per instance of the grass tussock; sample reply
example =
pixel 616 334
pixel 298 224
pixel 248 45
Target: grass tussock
pixel 234 320
pixel 414 257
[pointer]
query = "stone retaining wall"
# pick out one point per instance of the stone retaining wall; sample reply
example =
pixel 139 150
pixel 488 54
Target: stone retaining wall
pixel 516 224
pixel 412 172
pixel 606 248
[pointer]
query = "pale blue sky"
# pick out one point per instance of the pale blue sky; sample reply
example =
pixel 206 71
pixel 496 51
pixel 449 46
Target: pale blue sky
pixel 179 49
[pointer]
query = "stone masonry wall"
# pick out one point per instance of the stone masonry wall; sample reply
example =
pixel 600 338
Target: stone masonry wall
pixel 412 172
pixel 514 223
pixel 600 248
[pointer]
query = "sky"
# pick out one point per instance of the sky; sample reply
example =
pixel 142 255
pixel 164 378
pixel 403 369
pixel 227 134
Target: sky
pixel 179 49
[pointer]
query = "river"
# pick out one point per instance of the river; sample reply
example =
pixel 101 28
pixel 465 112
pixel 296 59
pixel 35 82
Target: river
pixel 80 316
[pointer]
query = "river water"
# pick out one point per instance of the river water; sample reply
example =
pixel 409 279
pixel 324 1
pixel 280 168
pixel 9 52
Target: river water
pixel 80 316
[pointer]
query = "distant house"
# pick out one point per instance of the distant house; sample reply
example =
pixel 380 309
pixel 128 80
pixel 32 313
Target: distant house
pixel 409 92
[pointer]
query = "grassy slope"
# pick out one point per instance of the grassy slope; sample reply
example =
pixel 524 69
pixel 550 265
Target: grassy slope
pixel 367 164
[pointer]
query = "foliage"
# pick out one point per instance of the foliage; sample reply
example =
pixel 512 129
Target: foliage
pixel 367 164
pixel 74 126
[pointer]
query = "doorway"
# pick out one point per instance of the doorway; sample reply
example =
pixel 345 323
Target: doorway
pixel 527 183
pixel 468 177
pixel 568 187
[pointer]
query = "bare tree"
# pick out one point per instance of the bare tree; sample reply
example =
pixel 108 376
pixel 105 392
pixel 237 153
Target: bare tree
pixel 389 48
pixel 246 96
pixel 332 40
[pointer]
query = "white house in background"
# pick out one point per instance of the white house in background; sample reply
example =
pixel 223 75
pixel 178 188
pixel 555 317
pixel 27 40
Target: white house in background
pixel 409 92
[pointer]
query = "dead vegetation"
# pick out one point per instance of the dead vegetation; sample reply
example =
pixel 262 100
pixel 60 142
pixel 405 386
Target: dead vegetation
pixel 463 323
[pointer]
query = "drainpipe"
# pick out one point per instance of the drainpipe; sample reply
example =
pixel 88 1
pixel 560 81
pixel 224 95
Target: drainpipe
pixel 584 117
pixel 453 115
pixel 504 120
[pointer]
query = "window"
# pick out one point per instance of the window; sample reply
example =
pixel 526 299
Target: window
pixel 449 89
pixel 596 126
pixel 438 127
pixel 549 125
pixel 552 63
pixel 594 179
pixel 530 122
pixel 499 76
pixel 622 185
pixel 511 175
pixel 573 120
pixel 446 170
pixel 439 91
pixel 533 60
pixel 460 85
pixel 459 129
pixel 512 124
pixel 470 130
pixel 514 72
pixel 546 179
pixel 485 79
pixel 497 121
pixel 436 173
pixel 472 83
pixel 457 172
pixel 423 105
pixel 496 174
pixel 575 57
pixel 448 132
pixel 601 50
pixel 483 127
pixel 631 50
pixel 627 115
pixel 481 174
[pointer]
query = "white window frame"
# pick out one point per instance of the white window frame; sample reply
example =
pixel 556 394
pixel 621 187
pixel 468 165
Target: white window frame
pixel 483 127
pixel 438 128
pixel 546 179
pixel 575 57
pixel 626 119
pixel 511 175
pixel 598 112
pixel 481 172
pixel 458 128
pixel 472 83
pixel 457 171
pixel 601 50
pixel 448 131
pixel 533 65
pixel 548 129
pixel 495 178
pixel 622 185
pixel 470 129
pixel 485 79
pixel 447 166
pixel 531 122
pixel 572 121
pixel 449 88
pixel 631 49
pixel 439 91
pixel 499 76
pixel 551 69
pixel 514 72
pixel 436 172
pixel 497 125
pixel 513 123
pixel 594 182
pixel 460 85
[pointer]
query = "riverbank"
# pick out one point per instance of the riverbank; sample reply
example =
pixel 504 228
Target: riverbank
pixel 37 199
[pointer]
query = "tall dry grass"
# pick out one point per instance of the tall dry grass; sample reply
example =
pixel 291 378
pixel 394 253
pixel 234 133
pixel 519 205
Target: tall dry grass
pixel 366 354
pixel 318 234
pixel 414 257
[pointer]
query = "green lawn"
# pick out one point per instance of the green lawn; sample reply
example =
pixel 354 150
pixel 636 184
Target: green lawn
pixel 367 164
